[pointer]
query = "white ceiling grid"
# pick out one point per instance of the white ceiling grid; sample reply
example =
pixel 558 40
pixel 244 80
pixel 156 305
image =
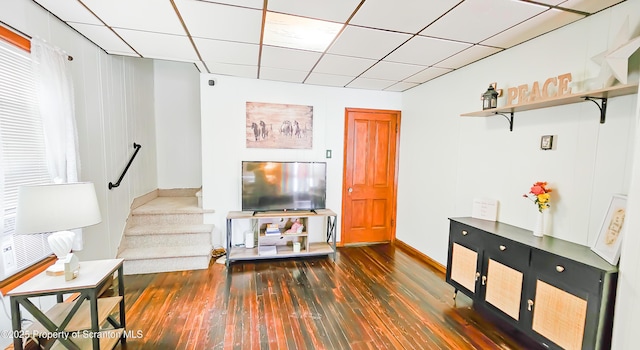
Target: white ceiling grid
pixel 391 45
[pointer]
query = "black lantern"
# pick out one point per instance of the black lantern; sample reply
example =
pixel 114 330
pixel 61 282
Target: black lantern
pixel 490 98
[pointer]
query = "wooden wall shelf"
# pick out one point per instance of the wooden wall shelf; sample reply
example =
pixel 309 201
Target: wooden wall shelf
pixel 601 94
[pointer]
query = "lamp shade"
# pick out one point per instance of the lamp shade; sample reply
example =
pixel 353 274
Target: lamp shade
pixel 56 207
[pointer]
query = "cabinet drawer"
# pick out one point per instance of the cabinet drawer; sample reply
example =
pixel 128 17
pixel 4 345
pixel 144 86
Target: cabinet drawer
pixel 465 234
pixel 507 251
pixel 564 272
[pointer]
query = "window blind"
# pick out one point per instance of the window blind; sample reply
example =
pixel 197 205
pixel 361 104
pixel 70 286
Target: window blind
pixel 23 155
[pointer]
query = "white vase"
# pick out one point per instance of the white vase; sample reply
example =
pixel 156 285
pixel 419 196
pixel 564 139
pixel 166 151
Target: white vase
pixel 538 229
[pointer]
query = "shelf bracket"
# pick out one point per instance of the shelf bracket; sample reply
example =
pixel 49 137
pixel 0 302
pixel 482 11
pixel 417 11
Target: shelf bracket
pixel 602 106
pixel 509 119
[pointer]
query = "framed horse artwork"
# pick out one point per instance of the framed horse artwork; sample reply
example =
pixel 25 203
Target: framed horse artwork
pixel 271 125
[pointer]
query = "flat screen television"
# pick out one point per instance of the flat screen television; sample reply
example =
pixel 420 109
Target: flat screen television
pixel 278 186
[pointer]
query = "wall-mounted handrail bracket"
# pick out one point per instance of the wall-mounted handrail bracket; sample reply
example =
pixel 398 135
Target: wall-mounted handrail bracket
pixel 602 106
pixel 509 119
pixel 137 148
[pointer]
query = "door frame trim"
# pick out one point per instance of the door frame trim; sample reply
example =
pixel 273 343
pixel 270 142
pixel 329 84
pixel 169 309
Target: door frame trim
pixel 394 201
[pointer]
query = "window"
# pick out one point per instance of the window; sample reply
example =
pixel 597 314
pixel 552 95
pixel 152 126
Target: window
pixel 22 156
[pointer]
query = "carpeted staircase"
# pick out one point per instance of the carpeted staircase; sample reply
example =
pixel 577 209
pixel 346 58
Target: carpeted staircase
pixel 166 233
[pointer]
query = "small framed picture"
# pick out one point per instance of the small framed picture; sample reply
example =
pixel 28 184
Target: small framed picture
pixel 609 242
pixel 546 142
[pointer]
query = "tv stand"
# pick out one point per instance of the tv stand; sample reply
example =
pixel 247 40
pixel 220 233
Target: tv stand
pixel 295 211
pixel 280 244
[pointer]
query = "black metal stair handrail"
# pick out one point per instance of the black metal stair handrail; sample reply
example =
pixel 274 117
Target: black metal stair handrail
pixel 137 147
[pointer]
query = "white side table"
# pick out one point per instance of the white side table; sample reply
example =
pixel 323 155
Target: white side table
pixel 75 325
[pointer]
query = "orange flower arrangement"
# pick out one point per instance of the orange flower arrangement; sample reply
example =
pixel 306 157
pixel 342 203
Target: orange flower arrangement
pixel 539 194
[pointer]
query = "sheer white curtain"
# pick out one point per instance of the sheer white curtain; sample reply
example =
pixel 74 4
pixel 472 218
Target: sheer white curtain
pixel 55 98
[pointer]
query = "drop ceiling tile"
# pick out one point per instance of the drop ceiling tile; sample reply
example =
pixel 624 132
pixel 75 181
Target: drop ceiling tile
pixel 470 55
pixel 590 6
pixel 409 16
pixel 328 10
pixel 366 43
pixel 104 37
pixel 370 84
pixel 551 2
pixel 425 51
pixel 343 65
pixel 278 57
pixel 256 4
pixel 427 74
pixel 147 15
pixel 328 79
pixel 391 71
pixel 477 20
pixel 227 52
pixel 297 32
pixel 288 75
pixel 69 11
pixel 538 25
pixel 221 22
pixel 235 70
pixel 160 46
pixel 401 86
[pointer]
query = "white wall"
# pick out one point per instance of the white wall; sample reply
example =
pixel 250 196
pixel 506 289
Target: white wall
pixel 224 130
pixel 177 116
pixel 114 109
pixel 627 311
pixel 455 159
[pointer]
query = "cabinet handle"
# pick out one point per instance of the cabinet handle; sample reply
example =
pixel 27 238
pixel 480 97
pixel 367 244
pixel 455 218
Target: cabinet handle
pixel 529 304
pixel 559 268
pixel 484 280
pixel 477 276
pixel 503 248
pixel 464 233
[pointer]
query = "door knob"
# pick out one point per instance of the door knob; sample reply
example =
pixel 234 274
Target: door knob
pixel 350 190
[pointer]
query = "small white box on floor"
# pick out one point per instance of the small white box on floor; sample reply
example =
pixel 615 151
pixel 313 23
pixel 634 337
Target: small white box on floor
pixel 485 209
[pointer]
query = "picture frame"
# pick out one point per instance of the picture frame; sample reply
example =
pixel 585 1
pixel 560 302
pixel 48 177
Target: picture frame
pixel 275 125
pixel 609 241
pixel 546 142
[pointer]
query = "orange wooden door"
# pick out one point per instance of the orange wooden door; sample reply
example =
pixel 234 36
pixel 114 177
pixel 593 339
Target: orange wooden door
pixel 369 181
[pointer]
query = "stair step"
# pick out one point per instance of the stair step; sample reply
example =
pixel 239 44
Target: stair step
pixel 140 230
pixel 170 205
pixel 167 219
pixel 135 267
pixel 167 240
pixel 165 252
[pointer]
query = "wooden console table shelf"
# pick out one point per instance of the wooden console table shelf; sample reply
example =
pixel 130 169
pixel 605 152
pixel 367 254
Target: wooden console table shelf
pixel 79 324
pixel 601 94
pixel 307 248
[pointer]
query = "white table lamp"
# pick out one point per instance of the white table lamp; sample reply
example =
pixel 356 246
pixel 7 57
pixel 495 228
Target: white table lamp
pixel 57 208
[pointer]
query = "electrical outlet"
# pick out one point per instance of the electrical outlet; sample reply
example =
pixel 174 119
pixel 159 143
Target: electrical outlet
pixel 8 257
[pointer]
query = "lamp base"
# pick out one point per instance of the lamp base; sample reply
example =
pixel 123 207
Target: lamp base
pixel 56 269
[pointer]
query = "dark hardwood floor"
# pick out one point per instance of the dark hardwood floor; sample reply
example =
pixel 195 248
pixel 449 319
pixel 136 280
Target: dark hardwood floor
pixel 372 297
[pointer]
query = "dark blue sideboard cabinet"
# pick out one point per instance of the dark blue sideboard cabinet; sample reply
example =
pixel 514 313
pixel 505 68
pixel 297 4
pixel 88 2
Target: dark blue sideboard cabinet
pixel 559 293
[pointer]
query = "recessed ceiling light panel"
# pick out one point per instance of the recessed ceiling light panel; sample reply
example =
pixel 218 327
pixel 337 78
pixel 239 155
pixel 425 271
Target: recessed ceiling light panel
pixel 299 32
